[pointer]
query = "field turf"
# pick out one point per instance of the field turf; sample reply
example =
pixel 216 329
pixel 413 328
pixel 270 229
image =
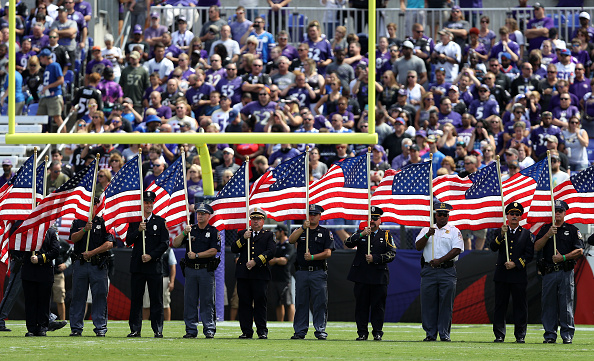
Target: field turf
pixel 401 341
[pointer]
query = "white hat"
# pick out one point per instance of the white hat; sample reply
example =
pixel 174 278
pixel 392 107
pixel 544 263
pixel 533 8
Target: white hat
pixel 585 15
pixel 408 44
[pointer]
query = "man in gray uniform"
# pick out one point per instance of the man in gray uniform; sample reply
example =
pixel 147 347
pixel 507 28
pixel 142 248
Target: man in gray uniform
pixel 441 245
pixel 200 265
pixel 311 277
pixel 556 266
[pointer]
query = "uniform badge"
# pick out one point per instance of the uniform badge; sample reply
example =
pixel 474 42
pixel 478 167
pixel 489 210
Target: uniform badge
pixel 447 231
pixel 98 226
pixel 566 233
pixel 580 235
pixel 155 227
pixel 319 235
pixel 207 235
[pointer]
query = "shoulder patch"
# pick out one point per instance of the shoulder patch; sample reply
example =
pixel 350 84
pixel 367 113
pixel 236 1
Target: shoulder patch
pixel 580 235
pixel 331 236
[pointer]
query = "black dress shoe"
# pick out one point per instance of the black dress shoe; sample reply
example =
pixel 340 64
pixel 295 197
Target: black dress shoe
pixel 209 335
pixel 428 339
pixel 297 337
pixel 520 340
pixel 322 337
pixel 75 333
pixel 158 335
pixel 377 338
pixel 189 335
pixel 549 340
pixel 263 336
pixel 446 339
pixel 567 341
pixel 244 336
pixel 134 334
pixel 56 325
pixel 100 334
pixel 361 338
pixel 41 334
pixel 5 329
pixel 498 340
pixel 29 334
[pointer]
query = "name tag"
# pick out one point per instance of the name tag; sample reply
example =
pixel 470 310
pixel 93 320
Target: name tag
pixel 207 235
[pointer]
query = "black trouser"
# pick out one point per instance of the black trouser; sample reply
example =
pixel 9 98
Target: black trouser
pixel 370 298
pixel 252 292
pixel 154 281
pixel 520 304
pixel 37 305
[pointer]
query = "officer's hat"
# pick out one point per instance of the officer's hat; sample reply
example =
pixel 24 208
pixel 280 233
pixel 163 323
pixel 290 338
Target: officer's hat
pixel 561 205
pixel 514 206
pixel 376 211
pixel 204 208
pixel 315 209
pixel 257 213
pixel 442 207
pixel 148 196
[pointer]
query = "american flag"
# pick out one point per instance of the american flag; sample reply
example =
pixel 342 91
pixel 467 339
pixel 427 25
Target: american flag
pixel 121 202
pixel 73 196
pixel 342 191
pixel 63 224
pixel 539 203
pixel 404 195
pixel 578 193
pixel 16 196
pixel 229 205
pixel 281 191
pixel 170 197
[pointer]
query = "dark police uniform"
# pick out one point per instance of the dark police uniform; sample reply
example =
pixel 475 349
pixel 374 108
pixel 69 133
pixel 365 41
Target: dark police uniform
pixel 13 288
pixel 371 279
pixel 279 289
pixel 252 285
pixel 91 272
pixel 200 279
pixel 149 273
pixel 513 281
pixel 558 287
pixel 37 284
pixel 311 280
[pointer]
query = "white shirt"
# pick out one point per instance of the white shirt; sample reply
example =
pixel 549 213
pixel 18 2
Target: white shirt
pixel 566 72
pixel 182 39
pixel 231 45
pixel 452 50
pixel 164 68
pixel 445 238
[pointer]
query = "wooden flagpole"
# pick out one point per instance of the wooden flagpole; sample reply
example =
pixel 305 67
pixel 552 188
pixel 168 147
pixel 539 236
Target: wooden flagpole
pixel 431 204
pixel 34 182
pixel 183 151
pixel 141 198
pixel 92 199
pixel 502 205
pixel 247 205
pixel 552 201
pixel 369 198
pixel 307 197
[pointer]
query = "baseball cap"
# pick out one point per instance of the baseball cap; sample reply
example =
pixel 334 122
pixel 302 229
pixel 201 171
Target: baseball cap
pixel 513 151
pixel 414 147
pixel 505 54
pixel 421 133
pixel 182 18
pixel 45 52
pixel 402 92
pixel 484 86
pixel 61 9
pixel 537 6
pixel 127 100
pixel 134 54
pixel 400 120
pixel 555 155
pixel 338 48
pixel 154 15
pixel 454 88
pixel 514 164
pixel 408 44
pixel 477 152
pixel 6 162
pixel 474 31
pixel 431 138
pixel 461 143
pixel 378 148
pixel 229 150
pixel 445 32
pixel 565 52
pixel 551 138
pixel 137 29
pixel 455 7
pixel 519 97
pixel 152 118
pixel 584 15
pixel 282 227
pixel 96 48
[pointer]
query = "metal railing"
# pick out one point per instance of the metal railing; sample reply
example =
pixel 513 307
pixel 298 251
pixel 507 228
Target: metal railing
pixel 73 110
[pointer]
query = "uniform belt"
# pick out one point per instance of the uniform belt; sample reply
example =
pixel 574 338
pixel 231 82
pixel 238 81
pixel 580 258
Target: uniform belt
pixel 197 265
pixel 311 268
pixel 447 264
pixel 563 266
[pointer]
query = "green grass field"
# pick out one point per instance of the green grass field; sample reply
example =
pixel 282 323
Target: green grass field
pixel 401 341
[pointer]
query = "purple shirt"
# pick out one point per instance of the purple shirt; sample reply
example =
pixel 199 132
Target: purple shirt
pixel 110 90
pixel 95 66
pixel 320 51
pixel 486 40
pixel 84 8
pixel 238 29
pixel 443 88
pixel 537 136
pixel 381 60
pixel 498 48
pixel 194 95
pixel 231 89
pixel 260 112
pixel 152 32
pixel 481 49
pixel 465 134
pixel 483 110
pixel 564 114
pixel 453 118
pixel 538 24
pixel 290 52
pixel 163 112
pixel 149 90
pixel 22 59
pixel 214 76
pixel 172 51
pixel 301 94
pixel 580 88
pixel 40 43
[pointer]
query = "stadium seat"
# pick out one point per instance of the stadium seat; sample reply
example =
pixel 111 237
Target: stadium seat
pixel 5 109
pixel 297 27
pixel 91 42
pixel 69 77
pixel 77 64
pixel 590 151
pixel 556 21
pixel 32 109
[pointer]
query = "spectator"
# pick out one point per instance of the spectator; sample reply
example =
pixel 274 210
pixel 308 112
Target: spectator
pixel 486 36
pixel 407 62
pixel 485 107
pixel 181 115
pixel 194 184
pixel 515 34
pixel 97 124
pixel 448 166
pixel 22 57
pixel 355 57
pixel 103 179
pixel 300 91
pixel 228 164
pixel 159 64
pixel 576 142
pixel 162 111
pixel 320 49
pixel 287 49
pixel 231 45
pixel 172 93
pixel 446 115
pixel 138 11
pixel 393 142
pixel 564 111
pixel 414 91
pixel 81 22
pixel 475 47
pixel 447 143
pixel 440 87
pixel 457 105
pixel 134 80
pixel 172 52
pixel 158 168
pixel 559 176
pixel 198 93
pixel 537 29
pixel 67 31
pixel 7 172
pixel 86 93
pixel 18 94
pixel 240 25
pixel 198 55
pixel 51 102
pixel 55 177
pixel 458 27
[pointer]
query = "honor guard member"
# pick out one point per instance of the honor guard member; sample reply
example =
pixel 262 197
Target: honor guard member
pixel 510 276
pixel 279 289
pixel 90 270
pixel 441 245
pixel 371 275
pixel 252 274
pixel 37 275
pixel 557 265
pixel 199 267
pixel 146 268
pixel 311 276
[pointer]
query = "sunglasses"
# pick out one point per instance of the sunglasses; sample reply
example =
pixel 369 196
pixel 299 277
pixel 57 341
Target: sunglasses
pixel 411 76
pixel 314 214
pixel 82 125
pixel 574 123
pixel 551 72
pixel 419 31
pixel 442 214
pixel 375 218
pixel 517 214
pixel 257 65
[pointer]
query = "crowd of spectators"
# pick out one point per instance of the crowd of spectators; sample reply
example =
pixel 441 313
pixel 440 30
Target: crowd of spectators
pixel 467 96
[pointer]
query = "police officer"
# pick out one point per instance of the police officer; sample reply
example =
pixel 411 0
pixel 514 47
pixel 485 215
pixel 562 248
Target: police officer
pixel 146 268
pixel 557 269
pixel 441 245
pixel 200 266
pixel 38 276
pixel 371 275
pixel 311 276
pixel 252 273
pixel 279 289
pixel 90 269
pixel 510 276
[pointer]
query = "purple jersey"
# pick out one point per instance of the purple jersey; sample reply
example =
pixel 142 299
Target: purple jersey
pixel 230 88
pixel 22 59
pixel 486 40
pixel 381 60
pixel 97 66
pixel 346 116
pixel 564 114
pixel 214 76
pixel 444 88
pixel 537 136
pixel 465 134
pixel 301 94
pixel 163 112
pixel 453 118
pixel 194 95
pixel 320 51
pixel 498 49
pixel 483 110
pixel 260 112
pixel 149 90
pixel 40 42
pixel 84 8
pixel 173 51
pixel 508 126
pixel 110 91
pixel 580 88
pixel 290 52
pixel 534 23
pixel 79 19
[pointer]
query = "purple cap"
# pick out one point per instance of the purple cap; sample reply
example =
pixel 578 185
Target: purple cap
pixel 565 52
pixel 379 148
pixel 484 86
pixel 137 29
pixel 6 162
pixel 455 7
pixel 402 92
pixel 421 133
pixel 154 15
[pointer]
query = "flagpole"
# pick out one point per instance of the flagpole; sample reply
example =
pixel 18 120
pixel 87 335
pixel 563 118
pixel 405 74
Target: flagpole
pixel 431 204
pixel 92 199
pixel 307 197
pixel 183 152
pixel 34 183
pixel 369 198
pixel 552 201
pixel 502 205
pixel 44 177
pixel 247 204
pixel 141 197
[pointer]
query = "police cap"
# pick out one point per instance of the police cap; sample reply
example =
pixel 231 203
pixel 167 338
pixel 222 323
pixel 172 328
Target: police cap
pixel 376 211
pixel 514 206
pixel 148 196
pixel 315 209
pixel 204 208
pixel 561 205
